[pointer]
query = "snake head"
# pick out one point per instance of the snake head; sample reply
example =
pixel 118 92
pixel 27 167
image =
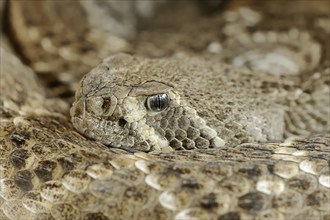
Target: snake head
pixel 118 107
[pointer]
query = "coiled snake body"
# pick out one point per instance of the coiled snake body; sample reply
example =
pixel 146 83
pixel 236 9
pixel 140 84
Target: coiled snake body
pixel 195 131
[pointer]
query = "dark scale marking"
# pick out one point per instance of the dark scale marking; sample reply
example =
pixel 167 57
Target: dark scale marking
pixel 302 182
pixel 18 157
pixel 191 184
pixel 95 216
pixel 18 138
pixel 23 179
pixel 252 202
pixel 65 163
pixel 209 201
pixel 45 169
pixel 254 170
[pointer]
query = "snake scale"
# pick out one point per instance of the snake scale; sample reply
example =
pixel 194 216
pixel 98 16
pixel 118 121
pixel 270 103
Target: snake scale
pixel 220 113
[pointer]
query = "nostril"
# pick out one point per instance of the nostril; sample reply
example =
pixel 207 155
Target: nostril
pixel 109 105
pixel 106 103
pixel 122 122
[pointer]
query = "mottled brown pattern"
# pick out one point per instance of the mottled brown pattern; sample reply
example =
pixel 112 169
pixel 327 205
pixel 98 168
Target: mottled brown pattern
pixel 273 75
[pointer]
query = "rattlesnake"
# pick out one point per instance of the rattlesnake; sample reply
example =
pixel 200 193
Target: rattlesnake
pixel 195 131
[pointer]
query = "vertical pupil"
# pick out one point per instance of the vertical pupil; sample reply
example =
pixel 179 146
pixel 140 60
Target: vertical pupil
pixel 159 102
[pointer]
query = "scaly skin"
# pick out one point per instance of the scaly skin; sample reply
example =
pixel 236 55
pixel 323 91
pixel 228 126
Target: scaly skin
pixel 241 168
pixel 50 171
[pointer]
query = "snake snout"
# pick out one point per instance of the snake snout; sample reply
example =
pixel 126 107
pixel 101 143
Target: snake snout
pixel 77 111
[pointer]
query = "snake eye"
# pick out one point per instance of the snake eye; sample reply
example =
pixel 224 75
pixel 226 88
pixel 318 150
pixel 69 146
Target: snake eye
pixel 157 102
